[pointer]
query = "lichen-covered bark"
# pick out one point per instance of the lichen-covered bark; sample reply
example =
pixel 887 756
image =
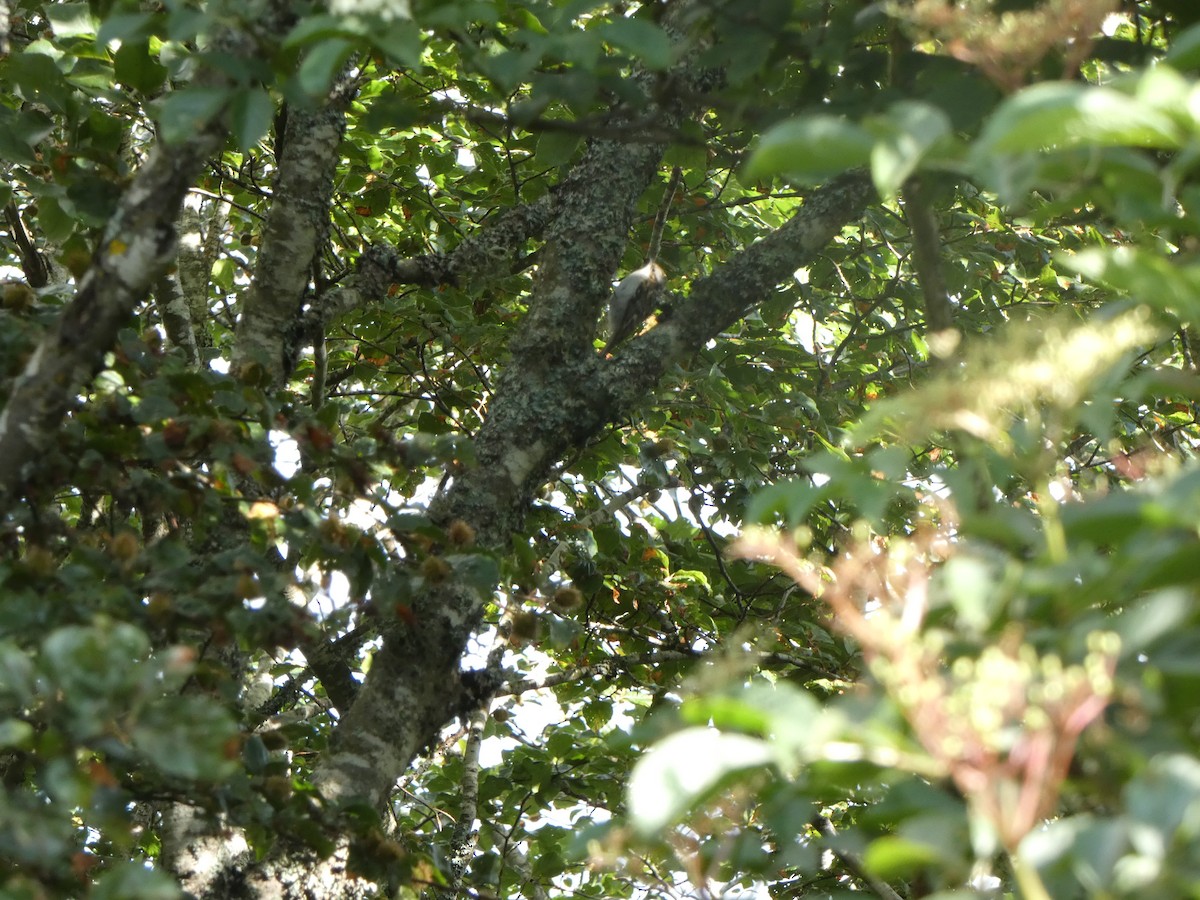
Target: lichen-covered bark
pixel 177 318
pixel 197 855
pixel 557 393
pixel 490 253
pixel 296 228
pixel 405 701
pixel 182 295
pixel 731 291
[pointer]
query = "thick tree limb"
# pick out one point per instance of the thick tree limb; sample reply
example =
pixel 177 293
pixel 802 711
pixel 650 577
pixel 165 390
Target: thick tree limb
pixel 295 231
pixel 555 394
pixel 404 700
pixel 177 318
pixel 487 254
pixel 927 257
pixel 413 687
pixel 730 292
pixel 182 296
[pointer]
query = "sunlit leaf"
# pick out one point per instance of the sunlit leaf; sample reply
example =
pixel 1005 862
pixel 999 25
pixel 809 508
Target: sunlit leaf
pixel 810 149
pixel 683 768
pixel 1065 114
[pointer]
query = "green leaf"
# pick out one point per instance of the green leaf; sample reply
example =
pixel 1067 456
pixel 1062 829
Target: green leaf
pixel 1068 114
pixel 1105 520
pixel 725 711
pixel 56 223
pixel 1184 50
pixel 186 737
pixel 16 675
pixel 893 857
pixel 1161 798
pixel 555 148
pixel 187 111
pixel 810 149
pixel 904 137
pixel 1143 275
pixel 15 734
pixel 510 68
pixel 791 500
pixel 134 66
pixel 1150 619
pixel 682 769
pixel 311 29
pixel 185 23
pixel 481 571
pixel 37 78
pixel 529 21
pixel 133 881
pixel 123 26
pixel 970 583
pixel 255 754
pixel 401 42
pixel 250 116
pixel 20 132
pixel 643 40
pixel 321 64
pixel 69 20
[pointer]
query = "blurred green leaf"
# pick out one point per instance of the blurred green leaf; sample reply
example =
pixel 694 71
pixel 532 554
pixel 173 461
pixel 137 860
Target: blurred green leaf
pixel 643 40
pixel 134 65
pixel 188 110
pixel 251 113
pixel 904 136
pixel 132 881
pixel 683 768
pixel 1064 114
pixel 810 149
pixel 894 857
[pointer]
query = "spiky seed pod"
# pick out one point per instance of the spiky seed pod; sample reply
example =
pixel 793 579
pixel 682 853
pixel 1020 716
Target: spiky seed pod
pixel 566 598
pixel 524 626
pixel 460 533
pixel 124 546
pixel 17 296
pixel 277 789
pixel 435 569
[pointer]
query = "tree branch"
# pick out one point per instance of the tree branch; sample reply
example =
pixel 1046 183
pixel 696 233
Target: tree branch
pixel 927 256
pixel 414 687
pixel 490 253
pixel 296 228
pixel 718 300
pixel 462 841
pixel 33 264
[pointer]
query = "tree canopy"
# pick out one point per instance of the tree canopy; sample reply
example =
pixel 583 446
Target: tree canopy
pixel 345 556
